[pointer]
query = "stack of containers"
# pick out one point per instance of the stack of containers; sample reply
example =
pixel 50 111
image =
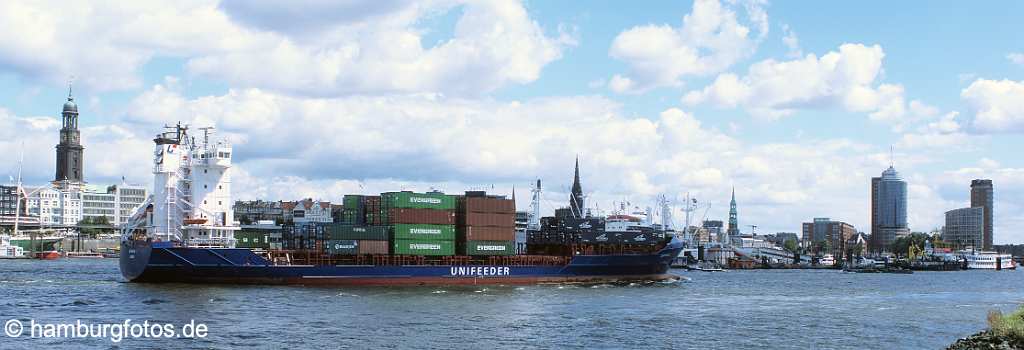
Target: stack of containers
pixel 486 225
pixel 372 207
pixel 354 211
pixel 359 239
pixel 304 237
pixel 423 223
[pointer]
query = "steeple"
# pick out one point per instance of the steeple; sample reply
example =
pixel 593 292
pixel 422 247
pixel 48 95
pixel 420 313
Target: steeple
pixel 576 197
pixel 734 224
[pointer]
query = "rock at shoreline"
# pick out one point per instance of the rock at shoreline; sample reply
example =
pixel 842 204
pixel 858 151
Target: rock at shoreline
pixel 987 340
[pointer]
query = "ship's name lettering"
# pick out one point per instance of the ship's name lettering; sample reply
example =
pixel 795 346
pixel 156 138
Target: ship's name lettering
pixel 479 271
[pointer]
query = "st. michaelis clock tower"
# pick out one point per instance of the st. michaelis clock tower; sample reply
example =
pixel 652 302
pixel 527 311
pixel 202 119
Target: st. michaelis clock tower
pixel 69 150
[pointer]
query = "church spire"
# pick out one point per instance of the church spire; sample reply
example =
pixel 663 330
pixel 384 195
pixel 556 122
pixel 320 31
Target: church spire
pixel 576 197
pixel 734 222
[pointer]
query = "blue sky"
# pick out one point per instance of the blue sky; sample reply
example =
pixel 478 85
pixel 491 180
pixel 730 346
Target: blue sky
pixel 795 104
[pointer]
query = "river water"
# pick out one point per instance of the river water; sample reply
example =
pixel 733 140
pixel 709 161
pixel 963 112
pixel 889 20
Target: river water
pixel 782 309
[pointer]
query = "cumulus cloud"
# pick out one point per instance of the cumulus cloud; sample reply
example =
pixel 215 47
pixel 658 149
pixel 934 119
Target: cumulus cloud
pixel 1016 57
pixel 711 38
pixel 944 135
pixel 847 79
pixel 321 48
pixel 997 105
pixel 792 42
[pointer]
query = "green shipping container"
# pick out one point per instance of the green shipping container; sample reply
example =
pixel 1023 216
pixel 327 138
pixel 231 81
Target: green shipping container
pixel 437 201
pixel 247 239
pixel 489 248
pixel 423 247
pixel 430 232
pixel 343 247
pixel 352 201
pixel 355 232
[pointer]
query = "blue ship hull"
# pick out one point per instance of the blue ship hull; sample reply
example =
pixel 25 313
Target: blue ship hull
pixel 143 261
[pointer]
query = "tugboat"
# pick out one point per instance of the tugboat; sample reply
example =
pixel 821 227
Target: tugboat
pixel 184 233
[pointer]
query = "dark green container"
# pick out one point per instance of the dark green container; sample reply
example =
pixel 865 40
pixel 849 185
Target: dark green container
pixel 345 231
pixel 423 247
pixel 488 248
pixel 412 200
pixel 352 201
pixel 343 247
pixel 249 239
pixel 420 231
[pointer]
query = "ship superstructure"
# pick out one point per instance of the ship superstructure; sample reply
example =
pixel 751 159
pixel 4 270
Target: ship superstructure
pixel 191 201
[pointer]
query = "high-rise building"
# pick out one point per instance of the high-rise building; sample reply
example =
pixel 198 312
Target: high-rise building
pixel 965 227
pixel 734 221
pixel 835 233
pixel 981 196
pixel 888 209
pixel 576 203
pixel 69 151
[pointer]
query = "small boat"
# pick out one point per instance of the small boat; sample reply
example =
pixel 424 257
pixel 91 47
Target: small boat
pixel 985 260
pixel 48 255
pixel 85 255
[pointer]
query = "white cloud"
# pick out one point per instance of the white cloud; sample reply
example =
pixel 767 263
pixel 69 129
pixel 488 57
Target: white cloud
pixel 1016 57
pixel 847 79
pixel 710 39
pixel 792 42
pixel 944 135
pixel 327 49
pixel 997 105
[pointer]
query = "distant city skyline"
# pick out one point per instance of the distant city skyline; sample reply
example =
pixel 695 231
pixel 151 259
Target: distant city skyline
pixel 795 105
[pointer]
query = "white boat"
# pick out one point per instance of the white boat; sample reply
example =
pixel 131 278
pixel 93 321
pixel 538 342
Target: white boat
pixel 9 251
pixel 983 260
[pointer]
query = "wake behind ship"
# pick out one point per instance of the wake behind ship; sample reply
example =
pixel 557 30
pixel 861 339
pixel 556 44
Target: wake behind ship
pixel 185 232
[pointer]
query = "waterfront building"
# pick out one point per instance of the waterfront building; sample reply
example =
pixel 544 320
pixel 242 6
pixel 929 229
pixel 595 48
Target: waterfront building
pixel 716 229
pixel 734 221
pixel 53 206
pixel 836 234
pixel 888 210
pixel 982 196
pixel 248 212
pixel 9 201
pixel 965 227
pixel 69 175
pixel 307 211
pixel 115 203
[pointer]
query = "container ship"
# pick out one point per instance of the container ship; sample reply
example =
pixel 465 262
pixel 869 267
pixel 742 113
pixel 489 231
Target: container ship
pixel 185 232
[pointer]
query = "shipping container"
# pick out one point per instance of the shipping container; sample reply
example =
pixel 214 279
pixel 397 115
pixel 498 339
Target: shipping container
pixel 436 201
pixel 343 247
pixel 485 233
pixel 424 247
pixel 486 205
pixel 487 219
pixel 418 216
pixel 643 238
pixel 369 247
pixel 353 201
pixel 488 248
pixel 581 225
pixel 344 231
pixel 423 231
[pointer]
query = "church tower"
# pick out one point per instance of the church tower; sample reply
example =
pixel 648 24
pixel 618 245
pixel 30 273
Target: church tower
pixel 734 222
pixel 69 150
